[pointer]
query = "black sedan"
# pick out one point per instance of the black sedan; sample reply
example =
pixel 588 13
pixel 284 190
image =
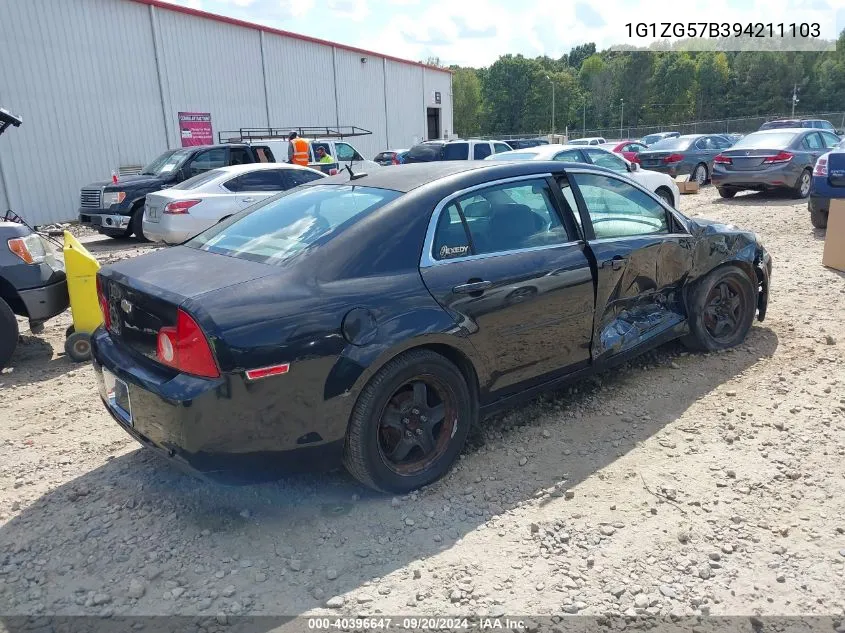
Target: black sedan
pixel 371 319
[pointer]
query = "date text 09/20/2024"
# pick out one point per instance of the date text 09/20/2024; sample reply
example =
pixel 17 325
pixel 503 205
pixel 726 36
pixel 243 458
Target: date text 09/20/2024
pixel 723 29
pixel 416 624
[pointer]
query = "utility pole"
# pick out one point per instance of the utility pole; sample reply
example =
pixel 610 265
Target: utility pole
pixel 794 97
pixel 553 103
pixel 621 117
pixel 584 129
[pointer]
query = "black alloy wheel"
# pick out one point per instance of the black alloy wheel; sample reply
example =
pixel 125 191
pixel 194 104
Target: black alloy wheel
pixel 721 309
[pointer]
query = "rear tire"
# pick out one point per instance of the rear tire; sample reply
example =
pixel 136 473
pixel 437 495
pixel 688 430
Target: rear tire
pixel 699 174
pixel 818 218
pixel 8 333
pixel 802 187
pixel 137 224
pixel 725 192
pixel 78 347
pixel 721 309
pixel 388 413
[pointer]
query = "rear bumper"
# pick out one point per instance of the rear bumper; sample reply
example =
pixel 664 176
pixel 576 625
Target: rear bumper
pixel 162 232
pixel 776 178
pixel 45 302
pixel 218 429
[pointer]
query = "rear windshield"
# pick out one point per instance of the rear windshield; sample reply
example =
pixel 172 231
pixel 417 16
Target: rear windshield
pixel 771 125
pixel 426 152
pixel 384 156
pixel 199 180
pixel 675 142
pixel 287 225
pixel 456 151
pixel 513 156
pixel 776 140
pixel 580 141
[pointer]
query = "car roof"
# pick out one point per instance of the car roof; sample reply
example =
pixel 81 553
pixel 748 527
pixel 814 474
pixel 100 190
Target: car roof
pixel 405 178
pixel 781 130
pixel 239 169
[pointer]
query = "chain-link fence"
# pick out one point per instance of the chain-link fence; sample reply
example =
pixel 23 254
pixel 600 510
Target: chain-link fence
pixel 736 125
pixel 740 125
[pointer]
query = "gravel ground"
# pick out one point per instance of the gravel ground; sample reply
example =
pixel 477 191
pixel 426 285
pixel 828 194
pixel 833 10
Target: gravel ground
pixel 678 484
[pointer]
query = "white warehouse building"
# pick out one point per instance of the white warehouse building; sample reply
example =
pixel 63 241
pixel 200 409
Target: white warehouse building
pixel 100 84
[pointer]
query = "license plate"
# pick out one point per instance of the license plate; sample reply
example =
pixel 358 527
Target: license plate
pixel 152 214
pixel 117 396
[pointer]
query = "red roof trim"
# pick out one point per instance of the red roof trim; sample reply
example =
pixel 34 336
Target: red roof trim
pixel 297 36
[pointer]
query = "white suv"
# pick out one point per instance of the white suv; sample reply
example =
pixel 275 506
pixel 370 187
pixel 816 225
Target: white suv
pixel 473 149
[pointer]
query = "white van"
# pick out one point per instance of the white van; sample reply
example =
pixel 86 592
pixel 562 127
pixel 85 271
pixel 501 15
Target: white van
pixel 342 152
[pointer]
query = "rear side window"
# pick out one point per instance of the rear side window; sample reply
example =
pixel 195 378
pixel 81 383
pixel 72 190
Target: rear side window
pixel 501 218
pixel 261 180
pixel 812 141
pixel 264 154
pixel 288 224
pixel 456 151
pixel 239 156
pixel 481 151
pixel 569 156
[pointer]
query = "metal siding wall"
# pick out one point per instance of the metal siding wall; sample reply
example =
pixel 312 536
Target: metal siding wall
pixel 210 66
pixel 81 74
pixel 360 96
pixel 440 82
pixel 298 96
pixel 405 114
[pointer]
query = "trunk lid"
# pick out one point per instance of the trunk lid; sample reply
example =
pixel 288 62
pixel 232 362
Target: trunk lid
pixel 836 169
pixel 748 159
pixel 653 159
pixel 144 293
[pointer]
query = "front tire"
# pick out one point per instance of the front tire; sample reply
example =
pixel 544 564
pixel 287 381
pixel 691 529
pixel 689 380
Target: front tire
pixel 721 310
pixel 802 187
pixel 409 423
pixel 8 333
pixel 818 218
pixel 725 192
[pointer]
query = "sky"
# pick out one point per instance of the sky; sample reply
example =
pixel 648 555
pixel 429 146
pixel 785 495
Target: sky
pixel 477 32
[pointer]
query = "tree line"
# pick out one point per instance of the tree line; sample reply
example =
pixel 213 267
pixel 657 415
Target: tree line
pixel 514 94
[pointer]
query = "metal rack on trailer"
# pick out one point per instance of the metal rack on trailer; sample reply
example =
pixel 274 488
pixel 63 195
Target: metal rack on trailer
pixel 248 134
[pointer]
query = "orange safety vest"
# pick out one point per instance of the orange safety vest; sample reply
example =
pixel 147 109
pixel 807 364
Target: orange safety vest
pixel 300 151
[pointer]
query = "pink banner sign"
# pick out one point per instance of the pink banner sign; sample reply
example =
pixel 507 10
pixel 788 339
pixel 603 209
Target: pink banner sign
pixel 195 128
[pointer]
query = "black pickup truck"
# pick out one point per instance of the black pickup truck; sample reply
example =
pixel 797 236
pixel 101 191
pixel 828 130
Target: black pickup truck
pixel 116 209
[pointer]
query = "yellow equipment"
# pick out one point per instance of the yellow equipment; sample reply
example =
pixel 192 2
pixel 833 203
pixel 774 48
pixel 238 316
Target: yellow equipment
pixel 81 268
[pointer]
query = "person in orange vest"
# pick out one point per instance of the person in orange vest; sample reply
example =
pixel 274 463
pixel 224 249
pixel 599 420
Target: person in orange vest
pixel 297 150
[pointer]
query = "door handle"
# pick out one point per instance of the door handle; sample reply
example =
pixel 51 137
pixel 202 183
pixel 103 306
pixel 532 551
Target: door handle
pixel 248 200
pixel 472 286
pixel 615 263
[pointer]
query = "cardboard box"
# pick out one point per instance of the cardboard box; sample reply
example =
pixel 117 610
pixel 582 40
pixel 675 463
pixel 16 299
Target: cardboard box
pixel 685 185
pixel 834 241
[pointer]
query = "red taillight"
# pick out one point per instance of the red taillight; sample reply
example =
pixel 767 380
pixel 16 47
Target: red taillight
pixel 722 160
pixel 186 348
pixel 395 159
pixel 333 172
pixel 104 304
pixel 821 167
pixel 673 158
pixel 178 208
pixel 780 157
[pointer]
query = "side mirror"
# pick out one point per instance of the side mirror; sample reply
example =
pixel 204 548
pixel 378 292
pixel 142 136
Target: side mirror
pixel 839 132
pixel 634 167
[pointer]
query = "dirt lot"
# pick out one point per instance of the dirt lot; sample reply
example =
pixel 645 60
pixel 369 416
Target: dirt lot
pixel 679 484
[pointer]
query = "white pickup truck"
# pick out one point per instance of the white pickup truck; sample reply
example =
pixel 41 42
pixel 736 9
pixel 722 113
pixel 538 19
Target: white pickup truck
pixel 342 152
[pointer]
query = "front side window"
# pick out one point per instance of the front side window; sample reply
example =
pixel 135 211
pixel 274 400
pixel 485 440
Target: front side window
pixel 606 159
pixel 830 140
pixel 286 225
pixel 456 151
pixel 481 151
pixel 346 152
pixel 502 218
pixel 618 209
pixel 209 159
pixel 812 141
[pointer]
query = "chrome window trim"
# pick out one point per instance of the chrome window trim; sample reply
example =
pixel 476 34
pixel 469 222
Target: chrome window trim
pixel 427 260
pixel 606 240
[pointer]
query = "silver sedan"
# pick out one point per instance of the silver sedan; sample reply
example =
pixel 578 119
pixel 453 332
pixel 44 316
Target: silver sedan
pixel 181 212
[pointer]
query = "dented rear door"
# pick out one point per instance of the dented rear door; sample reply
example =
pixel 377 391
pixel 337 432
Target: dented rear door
pixel 641 261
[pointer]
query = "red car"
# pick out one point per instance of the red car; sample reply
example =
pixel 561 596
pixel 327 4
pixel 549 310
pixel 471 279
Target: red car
pixel 629 149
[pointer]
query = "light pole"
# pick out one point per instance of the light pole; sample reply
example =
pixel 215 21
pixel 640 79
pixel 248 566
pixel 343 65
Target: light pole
pixel 794 97
pixel 553 102
pixel 621 117
pixel 584 129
